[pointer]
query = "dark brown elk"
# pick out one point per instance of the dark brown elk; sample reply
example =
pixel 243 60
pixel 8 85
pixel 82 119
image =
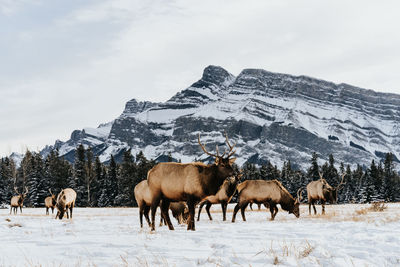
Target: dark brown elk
pixel 180 212
pixel 65 201
pixel 268 193
pixel 321 190
pixel 190 182
pixel 50 203
pixel 223 196
pixel 143 199
pixel 18 201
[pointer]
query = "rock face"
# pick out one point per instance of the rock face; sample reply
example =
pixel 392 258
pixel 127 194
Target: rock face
pixel 272 117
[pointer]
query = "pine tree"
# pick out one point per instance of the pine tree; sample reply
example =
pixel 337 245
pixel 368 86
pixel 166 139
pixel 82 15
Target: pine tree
pixel 125 180
pixel 79 182
pixel 313 171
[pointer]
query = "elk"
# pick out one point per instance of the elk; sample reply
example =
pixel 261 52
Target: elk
pixel 223 196
pixel 50 202
pixel 18 201
pixel 269 193
pixel 321 190
pixel 65 200
pixel 143 199
pixel 179 211
pixel 190 182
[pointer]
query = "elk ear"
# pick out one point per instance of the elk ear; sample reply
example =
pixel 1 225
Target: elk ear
pixel 217 160
pixel 231 161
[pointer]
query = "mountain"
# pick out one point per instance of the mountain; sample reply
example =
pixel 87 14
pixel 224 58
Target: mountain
pixel 271 116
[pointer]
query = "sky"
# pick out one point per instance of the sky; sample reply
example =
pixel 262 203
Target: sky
pixel 66 65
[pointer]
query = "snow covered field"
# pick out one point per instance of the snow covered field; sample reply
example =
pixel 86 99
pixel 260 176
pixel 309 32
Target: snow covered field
pixel 348 235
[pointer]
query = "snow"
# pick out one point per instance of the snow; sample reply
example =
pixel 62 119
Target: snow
pixel 113 237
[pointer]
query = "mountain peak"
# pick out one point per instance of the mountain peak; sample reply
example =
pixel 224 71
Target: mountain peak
pixel 133 107
pixel 215 75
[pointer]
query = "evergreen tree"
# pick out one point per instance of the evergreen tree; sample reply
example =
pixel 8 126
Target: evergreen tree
pixel 112 176
pixel 8 175
pixel 79 182
pixel 125 180
pixel 313 171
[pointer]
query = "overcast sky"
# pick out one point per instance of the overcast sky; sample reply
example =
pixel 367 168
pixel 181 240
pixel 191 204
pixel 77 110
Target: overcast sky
pixel 66 65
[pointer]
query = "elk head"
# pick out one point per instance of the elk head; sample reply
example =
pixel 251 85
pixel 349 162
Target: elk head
pixel 330 193
pixel 224 164
pixel 21 195
pixel 296 208
pixel 53 198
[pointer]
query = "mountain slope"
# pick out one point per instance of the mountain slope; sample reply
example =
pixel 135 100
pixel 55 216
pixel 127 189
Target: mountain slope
pixel 271 116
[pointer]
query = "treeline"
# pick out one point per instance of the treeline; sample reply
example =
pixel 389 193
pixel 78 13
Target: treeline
pixel 106 185
pixel 96 184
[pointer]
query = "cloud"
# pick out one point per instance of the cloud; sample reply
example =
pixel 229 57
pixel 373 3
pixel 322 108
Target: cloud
pixel 68 65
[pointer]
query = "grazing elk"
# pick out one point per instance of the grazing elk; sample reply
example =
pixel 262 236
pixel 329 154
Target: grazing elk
pixel 180 212
pixel 143 199
pixel 223 196
pixel 50 202
pixel 65 200
pixel 18 201
pixel 268 193
pixel 321 190
pixel 190 182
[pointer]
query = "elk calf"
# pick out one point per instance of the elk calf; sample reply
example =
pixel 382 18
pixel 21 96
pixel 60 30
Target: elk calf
pixel 269 193
pixel 50 202
pixel 223 196
pixel 321 190
pixel 179 211
pixel 65 200
pixel 18 201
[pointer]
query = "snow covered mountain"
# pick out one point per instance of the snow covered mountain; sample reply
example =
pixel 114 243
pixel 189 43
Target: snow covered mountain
pixel 272 117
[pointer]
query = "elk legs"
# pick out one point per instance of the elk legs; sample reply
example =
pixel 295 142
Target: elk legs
pixel 164 213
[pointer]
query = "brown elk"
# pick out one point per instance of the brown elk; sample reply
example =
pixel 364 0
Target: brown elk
pixel 180 212
pixel 143 199
pixel 223 196
pixel 50 203
pixel 18 201
pixel 190 182
pixel 268 193
pixel 321 190
pixel 65 200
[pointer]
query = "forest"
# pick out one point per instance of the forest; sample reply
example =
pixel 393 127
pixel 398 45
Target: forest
pixel 112 184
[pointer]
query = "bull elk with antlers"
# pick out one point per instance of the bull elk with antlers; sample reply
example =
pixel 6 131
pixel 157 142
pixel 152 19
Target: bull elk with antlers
pixel 190 182
pixel 65 200
pixel 270 193
pixel 223 196
pixel 18 201
pixel 50 203
pixel 321 190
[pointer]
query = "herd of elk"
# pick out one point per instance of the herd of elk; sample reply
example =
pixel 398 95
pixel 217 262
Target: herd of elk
pixel 321 190
pixel 190 182
pixel 179 187
pixel 270 193
pixel 50 203
pixel 18 200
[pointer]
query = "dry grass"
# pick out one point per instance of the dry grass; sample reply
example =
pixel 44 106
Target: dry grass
pixel 378 206
pixel 11 225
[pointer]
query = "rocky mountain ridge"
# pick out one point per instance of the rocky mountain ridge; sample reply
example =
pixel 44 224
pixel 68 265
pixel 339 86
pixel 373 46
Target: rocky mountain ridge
pixel 272 117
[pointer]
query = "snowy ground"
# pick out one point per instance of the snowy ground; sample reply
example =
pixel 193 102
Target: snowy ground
pixel 348 235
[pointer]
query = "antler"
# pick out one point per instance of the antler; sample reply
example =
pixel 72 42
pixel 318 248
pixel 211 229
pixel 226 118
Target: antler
pixel 320 175
pixel 299 193
pixel 231 151
pixel 50 191
pixel 16 190
pixel 341 182
pixel 204 149
pixel 26 190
